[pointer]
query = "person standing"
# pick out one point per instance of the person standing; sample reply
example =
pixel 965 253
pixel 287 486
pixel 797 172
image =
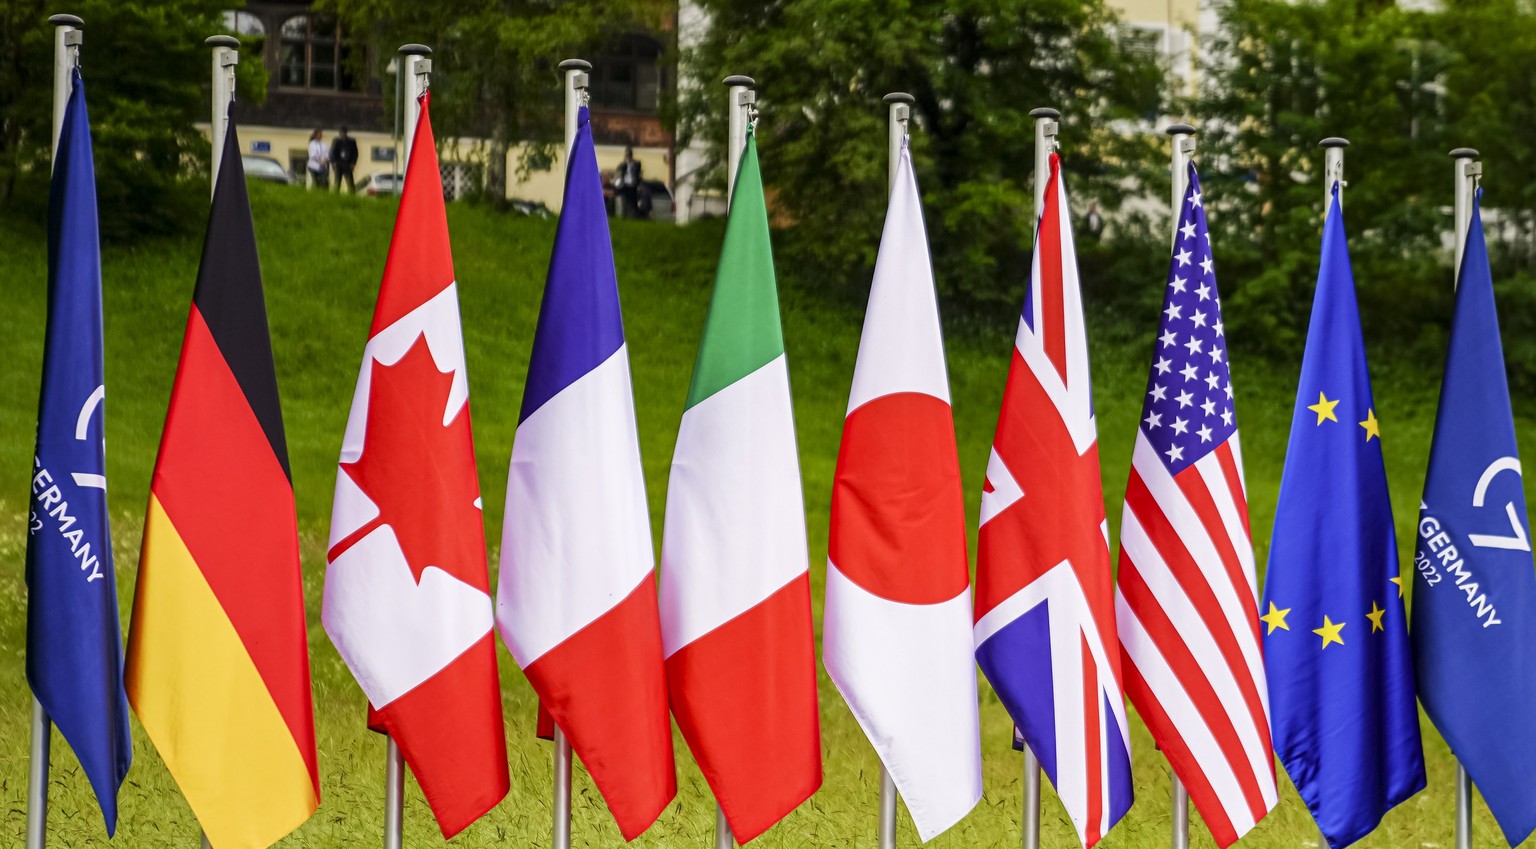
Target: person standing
pixel 626 183
pixel 319 160
pixel 344 159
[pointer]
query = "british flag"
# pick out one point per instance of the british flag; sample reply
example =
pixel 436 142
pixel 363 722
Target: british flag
pixel 1186 607
pixel 1044 593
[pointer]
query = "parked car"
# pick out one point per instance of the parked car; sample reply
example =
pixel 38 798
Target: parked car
pixel 532 208
pixel 652 192
pixel 265 169
pixel 383 183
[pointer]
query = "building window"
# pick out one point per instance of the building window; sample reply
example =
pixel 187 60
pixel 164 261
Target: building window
pixel 316 55
pixel 630 76
pixel 244 23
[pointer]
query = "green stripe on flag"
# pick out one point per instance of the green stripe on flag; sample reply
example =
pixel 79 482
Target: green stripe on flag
pixel 742 333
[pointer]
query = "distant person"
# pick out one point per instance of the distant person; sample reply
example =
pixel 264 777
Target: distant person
pixel 344 159
pixel 1095 222
pixel 626 184
pixel 319 160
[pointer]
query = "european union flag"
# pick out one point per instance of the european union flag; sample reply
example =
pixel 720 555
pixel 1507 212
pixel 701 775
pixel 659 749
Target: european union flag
pixel 74 645
pixel 1474 597
pixel 1336 640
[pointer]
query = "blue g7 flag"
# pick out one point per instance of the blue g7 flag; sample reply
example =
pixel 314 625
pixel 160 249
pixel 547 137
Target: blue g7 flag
pixel 1336 639
pixel 1474 601
pixel 74 645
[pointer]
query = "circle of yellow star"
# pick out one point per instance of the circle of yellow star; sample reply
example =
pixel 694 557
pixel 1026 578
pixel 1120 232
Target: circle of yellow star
pixel 1275 618
pixel 1372 427
pixel 1375 617
pixel 1324 408
pixel 1330 632
pixel 1399 581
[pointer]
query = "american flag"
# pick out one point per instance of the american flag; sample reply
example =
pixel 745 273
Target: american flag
pixel 1044 595
pixel 1186 609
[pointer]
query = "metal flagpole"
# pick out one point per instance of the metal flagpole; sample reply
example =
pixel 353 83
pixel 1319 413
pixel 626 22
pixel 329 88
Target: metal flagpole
pixel 416 69
pixel 743 110
pixel 1333 169
pixel 67 39
pixel 1183 149
pixel 577 79
pixel 226 55
pixel 575 84
pixel 1047 125
pixel 899 104
pixel 1469 172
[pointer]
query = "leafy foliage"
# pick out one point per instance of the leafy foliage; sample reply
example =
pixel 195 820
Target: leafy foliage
pixel 976 68
pixel 146 76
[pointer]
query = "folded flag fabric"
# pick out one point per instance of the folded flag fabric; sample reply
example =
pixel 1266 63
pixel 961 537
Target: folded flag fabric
pixel 576 602
pixel 1185 604
pixel 1044 594
pixel 74 642
pixel 735 588
pixel 896 638
pixel 1345 721
pixel 407 595
pixel 1474 601
pixel 218 654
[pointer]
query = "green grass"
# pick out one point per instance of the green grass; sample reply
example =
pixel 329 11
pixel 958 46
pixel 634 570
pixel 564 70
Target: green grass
pixel 322 257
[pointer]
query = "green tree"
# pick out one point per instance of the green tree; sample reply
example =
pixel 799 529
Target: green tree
pixel 976 68
pixel 146 76
pixel 495 60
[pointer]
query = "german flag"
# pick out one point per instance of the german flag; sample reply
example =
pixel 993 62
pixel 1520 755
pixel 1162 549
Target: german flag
pixel 218 657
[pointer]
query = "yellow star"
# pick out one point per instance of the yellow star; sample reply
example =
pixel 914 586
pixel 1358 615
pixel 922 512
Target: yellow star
pixel 1324 408
pixel 1330 632
pixel 1399 581
pixel 1275 618
pixel 1375 617
pixel 1372 427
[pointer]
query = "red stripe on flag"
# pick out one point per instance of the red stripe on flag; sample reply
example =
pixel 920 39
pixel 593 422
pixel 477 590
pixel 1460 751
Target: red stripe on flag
pixel 1185 765
pixel 1192 679
pixel 1199 497
pixel 1228 463
pixel 1192 581
pixel 1053 300
pixel 606 688
pixel 1092 748
pixel 745 698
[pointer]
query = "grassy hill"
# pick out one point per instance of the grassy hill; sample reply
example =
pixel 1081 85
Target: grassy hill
pixel 321 259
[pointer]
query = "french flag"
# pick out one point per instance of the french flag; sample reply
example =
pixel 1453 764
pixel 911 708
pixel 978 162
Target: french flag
pixel 577 600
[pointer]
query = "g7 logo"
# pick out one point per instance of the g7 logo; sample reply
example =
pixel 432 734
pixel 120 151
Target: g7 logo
pixel 1517 541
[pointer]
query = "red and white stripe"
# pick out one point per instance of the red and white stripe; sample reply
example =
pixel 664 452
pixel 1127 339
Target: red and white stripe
pixel 1187 615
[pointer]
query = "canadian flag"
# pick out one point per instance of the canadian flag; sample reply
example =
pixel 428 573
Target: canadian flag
pixel 407 597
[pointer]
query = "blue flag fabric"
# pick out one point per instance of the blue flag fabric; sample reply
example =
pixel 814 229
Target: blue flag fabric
pixel 1474 597
pixel 74 643
pixel 1335 632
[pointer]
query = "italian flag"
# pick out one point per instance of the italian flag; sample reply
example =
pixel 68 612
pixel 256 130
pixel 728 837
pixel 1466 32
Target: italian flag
pixel 735 591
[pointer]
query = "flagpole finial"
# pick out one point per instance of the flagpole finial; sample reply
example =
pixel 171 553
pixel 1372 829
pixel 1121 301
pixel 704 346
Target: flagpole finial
pixel 221 41
pixel 66 21
pixel 899 97
pixel 1334 141
pixel 1180 130
pixel 740 80
pixel 1045 112
pixel 567 65
pixel 414 49
pixel 1465 153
